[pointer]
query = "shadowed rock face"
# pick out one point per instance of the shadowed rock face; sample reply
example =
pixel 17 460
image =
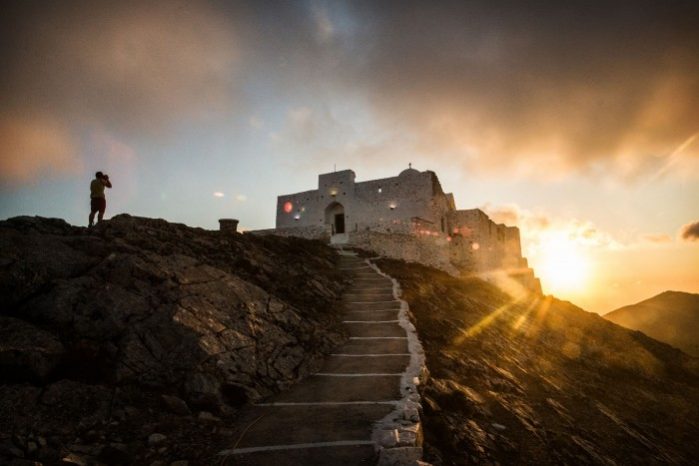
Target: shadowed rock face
pixel 671 317
pixel 143 305
pixel 540 381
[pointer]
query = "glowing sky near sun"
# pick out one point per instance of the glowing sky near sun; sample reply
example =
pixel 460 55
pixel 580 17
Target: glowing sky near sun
pixel 577 121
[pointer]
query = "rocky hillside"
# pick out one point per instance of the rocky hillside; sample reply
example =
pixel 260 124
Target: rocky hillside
pixel 672 317
pixel 132 338
pixel 540 381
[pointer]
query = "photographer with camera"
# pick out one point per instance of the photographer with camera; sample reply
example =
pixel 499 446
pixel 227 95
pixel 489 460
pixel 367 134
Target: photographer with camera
pixel 98 203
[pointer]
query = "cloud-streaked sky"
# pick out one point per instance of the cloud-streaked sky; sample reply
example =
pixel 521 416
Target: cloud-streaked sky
pixel 570 116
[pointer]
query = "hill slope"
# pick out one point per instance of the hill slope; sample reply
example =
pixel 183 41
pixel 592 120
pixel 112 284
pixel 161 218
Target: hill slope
pixel 672 317
pixel 540 381
pixel 131 328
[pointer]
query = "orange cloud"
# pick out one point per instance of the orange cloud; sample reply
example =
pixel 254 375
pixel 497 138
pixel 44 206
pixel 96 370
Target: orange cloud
pixel 29 147
pixel 657 238
pixel 514 215
pixel 129 68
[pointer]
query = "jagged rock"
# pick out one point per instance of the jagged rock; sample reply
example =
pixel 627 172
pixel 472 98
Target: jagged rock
pixel 503 388
pixel 144 301
pixel 74 459
pixel 88 450
pixel 8 448
pixel 208 417
pixel 202 390
pixel 400 456
pixel 32 448
pixel 176 405
pixel 153 307
pixel 118 453
pixel 27 352
pixel 156 439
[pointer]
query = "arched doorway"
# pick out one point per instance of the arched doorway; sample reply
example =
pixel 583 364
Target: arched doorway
pixel 335 216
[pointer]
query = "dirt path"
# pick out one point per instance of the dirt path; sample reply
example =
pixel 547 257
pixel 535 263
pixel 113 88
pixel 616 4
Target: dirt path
pixel 329 418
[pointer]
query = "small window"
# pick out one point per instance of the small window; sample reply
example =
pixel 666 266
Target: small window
pixel 380 189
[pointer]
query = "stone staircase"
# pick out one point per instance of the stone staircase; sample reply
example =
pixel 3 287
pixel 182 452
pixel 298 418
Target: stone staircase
pixel 361 408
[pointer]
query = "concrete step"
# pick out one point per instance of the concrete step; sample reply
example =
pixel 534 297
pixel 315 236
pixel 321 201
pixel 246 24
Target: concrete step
pixel 321 388
pixel 371 315
pixel 366 274
pixel 368 277
pixel 347 455
pixel 327 419
pixel 369 290
pixel 360 266
pixel 371 305
pixel 369 286
pixel 368 296
pixel 372 283
pixel 375 329
pixel 368 364
pixel 392 346
pixel 350 260
pixel 297 424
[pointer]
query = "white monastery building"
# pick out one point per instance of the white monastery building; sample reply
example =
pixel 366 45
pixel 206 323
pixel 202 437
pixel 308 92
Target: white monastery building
pixel 406 217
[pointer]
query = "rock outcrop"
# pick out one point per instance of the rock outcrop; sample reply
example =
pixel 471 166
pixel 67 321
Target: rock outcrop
pixel 536 380
pixel 144 311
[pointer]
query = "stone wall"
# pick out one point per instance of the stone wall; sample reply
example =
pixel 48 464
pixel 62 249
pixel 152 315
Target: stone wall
pixel 385 205
pixel 432 251
pixel 486 245
pixel 319 232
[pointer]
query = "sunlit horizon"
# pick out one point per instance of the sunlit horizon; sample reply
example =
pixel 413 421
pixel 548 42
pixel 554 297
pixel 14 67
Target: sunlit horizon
pixel 562 265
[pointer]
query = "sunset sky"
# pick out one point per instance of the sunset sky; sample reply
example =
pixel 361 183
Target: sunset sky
pixel 577 121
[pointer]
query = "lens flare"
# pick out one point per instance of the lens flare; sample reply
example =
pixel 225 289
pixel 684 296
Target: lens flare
pixel 563 266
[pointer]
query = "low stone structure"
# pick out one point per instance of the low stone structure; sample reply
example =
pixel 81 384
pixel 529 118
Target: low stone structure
pixel 228 225
pixel 407 217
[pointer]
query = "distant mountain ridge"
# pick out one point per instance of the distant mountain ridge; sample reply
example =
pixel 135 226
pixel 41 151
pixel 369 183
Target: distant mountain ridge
pixel 671 317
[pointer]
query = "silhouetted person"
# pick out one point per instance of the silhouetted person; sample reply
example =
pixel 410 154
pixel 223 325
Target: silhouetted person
pixel 98 203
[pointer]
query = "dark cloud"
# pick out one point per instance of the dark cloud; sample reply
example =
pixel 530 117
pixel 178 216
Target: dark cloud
pixel 537 86
pixel 690 231
pixel 44 144
pixel 134 68
pixel 531 87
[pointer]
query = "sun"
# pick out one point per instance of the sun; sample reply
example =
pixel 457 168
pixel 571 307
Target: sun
pixel 563 265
